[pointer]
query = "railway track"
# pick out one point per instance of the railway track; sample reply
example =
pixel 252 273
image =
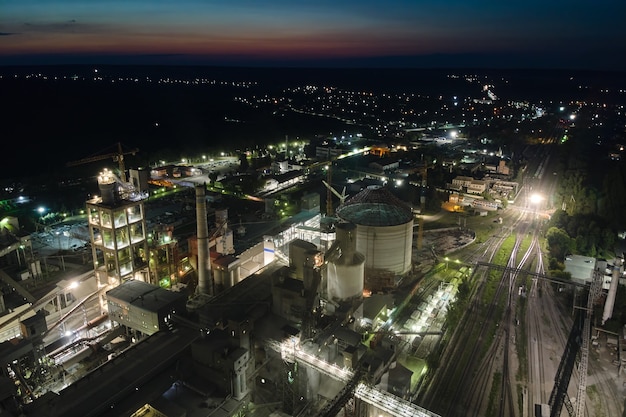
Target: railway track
pixel 460 389
pixel 493 381
pixel 536 378
pixel 477 374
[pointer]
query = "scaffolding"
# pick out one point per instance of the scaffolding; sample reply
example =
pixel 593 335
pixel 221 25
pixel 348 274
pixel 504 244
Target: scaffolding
pixel 290 382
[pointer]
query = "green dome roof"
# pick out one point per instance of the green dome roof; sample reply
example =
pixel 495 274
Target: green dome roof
pixel 375 206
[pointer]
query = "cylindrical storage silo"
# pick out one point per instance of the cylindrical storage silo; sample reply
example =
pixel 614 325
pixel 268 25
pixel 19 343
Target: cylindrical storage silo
pixel 107 187
pixel 346 266
pixel 218 275
pixel 107 192
pixel 384 229
pixel 345 281
pixel 346 238
pixel 386 248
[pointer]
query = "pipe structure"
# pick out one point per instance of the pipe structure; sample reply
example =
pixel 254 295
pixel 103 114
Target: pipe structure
pixel 610 298
pixel 204 261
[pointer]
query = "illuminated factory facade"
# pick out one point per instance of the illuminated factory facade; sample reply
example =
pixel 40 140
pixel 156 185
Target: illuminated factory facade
pixel 117 228
pixel 225 339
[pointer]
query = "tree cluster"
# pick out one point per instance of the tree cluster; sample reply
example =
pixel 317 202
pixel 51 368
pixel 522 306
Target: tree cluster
pixel 590 184
pixel 582 234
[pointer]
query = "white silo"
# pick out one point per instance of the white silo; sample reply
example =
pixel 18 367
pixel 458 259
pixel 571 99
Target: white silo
pixel 108 187
pixel 384 229
pixel 346 266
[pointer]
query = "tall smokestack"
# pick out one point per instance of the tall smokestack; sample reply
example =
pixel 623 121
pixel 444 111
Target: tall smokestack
pixel 205 283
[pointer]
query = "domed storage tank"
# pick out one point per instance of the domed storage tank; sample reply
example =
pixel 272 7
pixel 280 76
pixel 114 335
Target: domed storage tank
pixel 384 229
pixel 346 266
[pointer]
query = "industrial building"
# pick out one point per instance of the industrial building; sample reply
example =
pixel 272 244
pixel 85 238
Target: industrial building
pixel 143 307
pixel 118 232
pixel 277 326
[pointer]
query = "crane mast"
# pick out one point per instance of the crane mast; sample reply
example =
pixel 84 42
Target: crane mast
pixel 420 230
pixel 117 156
pixel 329 195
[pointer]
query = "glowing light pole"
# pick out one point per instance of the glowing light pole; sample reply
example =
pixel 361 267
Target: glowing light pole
pixel 535 201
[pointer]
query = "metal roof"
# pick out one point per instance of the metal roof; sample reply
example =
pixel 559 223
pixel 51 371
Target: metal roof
pixel 375 206
pixel 146 296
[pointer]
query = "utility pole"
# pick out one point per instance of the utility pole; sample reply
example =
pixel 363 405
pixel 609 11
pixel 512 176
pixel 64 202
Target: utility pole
pixel 329 193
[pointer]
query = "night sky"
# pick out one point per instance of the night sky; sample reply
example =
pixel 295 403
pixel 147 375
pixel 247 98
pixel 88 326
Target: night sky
pixel 570 34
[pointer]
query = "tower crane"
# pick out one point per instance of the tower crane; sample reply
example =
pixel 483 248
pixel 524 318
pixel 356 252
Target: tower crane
pixel 329 195
pixel 341 197
pixel 117 156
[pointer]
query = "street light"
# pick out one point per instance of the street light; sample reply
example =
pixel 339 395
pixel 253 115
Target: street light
pixel 446 259
pixel 535 199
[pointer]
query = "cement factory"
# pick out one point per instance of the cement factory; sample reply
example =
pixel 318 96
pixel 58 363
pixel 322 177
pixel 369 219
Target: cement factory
pixel 279 329
pixel 304 320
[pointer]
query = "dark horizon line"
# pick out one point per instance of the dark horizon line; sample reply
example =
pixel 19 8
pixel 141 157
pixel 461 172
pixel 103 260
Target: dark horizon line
pixel 333 68
pixel 438 61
